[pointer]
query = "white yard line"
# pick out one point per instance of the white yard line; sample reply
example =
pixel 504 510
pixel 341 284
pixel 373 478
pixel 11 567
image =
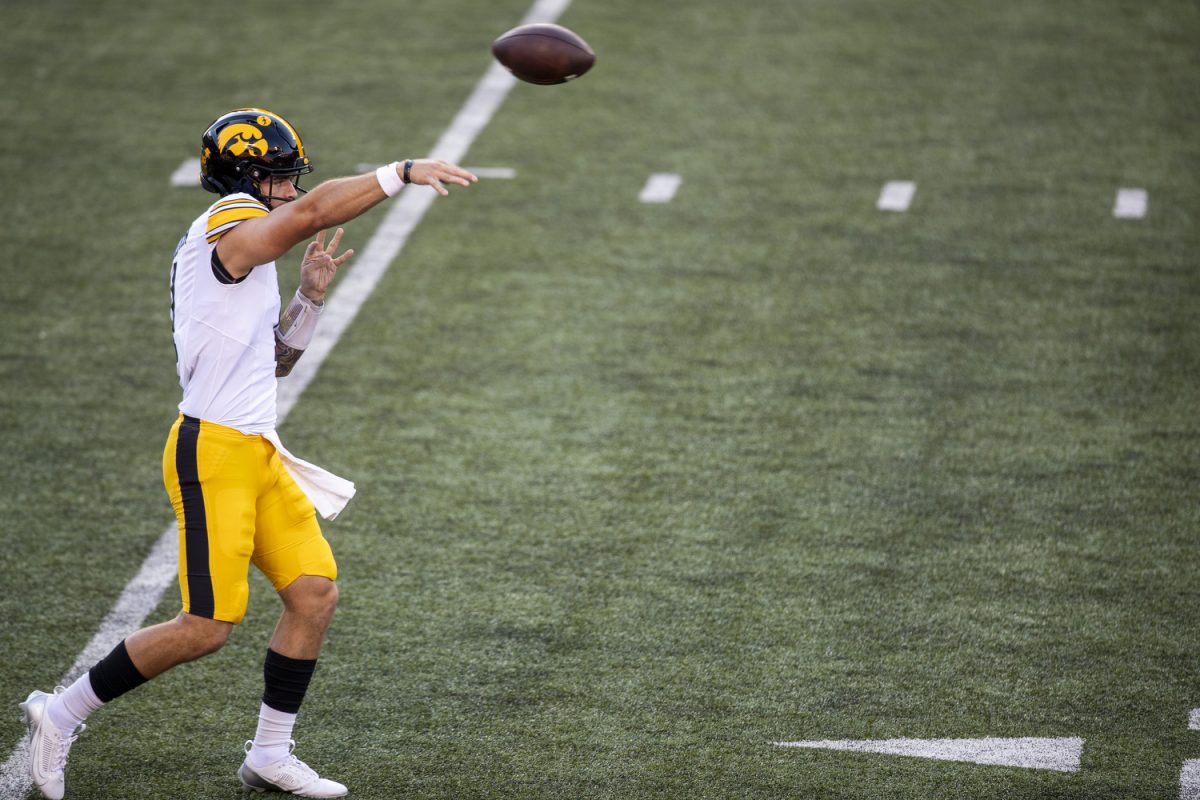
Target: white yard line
pixel 660 188
pixel 1061 755
pixel 142 594
pixel 896 196
pixel 1194 720
pixel 1130 204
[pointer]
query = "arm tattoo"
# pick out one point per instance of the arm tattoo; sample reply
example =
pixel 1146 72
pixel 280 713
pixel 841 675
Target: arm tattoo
pixel 285 357
pixel 294 332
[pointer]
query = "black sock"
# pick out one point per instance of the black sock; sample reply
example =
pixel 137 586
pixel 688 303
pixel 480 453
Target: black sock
pixel 115 674
pixel 286 681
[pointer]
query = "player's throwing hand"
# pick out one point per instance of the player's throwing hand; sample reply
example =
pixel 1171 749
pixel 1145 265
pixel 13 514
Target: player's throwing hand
pixel 432 172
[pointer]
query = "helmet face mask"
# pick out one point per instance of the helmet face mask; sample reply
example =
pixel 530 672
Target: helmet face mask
pixel 245 147
pixel 261 179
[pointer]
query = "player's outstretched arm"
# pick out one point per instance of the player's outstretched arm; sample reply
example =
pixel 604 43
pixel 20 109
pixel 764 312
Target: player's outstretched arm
pixel 264 239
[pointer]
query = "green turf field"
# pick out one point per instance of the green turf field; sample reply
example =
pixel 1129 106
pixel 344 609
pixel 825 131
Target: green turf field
pixel 646 488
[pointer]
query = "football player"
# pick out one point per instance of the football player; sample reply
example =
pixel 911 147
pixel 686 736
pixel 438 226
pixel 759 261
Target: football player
pixel 235 496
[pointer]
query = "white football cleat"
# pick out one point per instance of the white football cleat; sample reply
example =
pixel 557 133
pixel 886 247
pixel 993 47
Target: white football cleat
pixel 48 746
pixel 288 775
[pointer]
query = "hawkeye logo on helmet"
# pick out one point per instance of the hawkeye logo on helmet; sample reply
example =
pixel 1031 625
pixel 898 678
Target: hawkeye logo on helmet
pixel 240 139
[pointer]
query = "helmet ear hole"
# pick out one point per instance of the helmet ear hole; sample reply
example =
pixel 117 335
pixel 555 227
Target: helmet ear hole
pixel 210 185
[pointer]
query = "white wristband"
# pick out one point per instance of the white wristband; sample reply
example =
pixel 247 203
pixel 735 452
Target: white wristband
pixel 389 179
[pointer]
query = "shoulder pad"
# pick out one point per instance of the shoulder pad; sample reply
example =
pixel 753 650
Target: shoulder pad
pixel 230 211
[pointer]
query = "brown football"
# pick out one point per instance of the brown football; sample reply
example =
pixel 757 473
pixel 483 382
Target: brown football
pixel 543 53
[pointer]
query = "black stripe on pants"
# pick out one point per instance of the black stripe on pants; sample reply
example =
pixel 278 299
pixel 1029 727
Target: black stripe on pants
pixel 195 524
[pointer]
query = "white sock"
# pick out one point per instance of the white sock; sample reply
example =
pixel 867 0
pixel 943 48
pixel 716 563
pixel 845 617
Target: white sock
pixel 69 709
pixel 273 737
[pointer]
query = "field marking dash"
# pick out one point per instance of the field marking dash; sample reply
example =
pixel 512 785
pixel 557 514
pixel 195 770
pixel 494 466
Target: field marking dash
pixel 660 187
pixel 503 173
pixel 1131 204
pixel 1061 755
pixel 1189 780
pixel 187 173
pixel 896 196
pixel 142 594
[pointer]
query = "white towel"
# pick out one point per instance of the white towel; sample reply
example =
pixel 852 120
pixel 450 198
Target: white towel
pixel 327 491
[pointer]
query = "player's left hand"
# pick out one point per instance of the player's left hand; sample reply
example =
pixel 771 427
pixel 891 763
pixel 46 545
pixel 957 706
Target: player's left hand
pixel 319 266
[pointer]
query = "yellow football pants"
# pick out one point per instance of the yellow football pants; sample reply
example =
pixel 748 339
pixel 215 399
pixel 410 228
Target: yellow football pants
pixel 236 504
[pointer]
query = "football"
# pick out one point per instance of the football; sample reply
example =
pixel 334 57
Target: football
pixel 543 53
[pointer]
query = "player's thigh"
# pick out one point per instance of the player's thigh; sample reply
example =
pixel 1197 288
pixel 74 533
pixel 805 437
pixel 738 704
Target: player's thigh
pixel 211 474
pixel 288 542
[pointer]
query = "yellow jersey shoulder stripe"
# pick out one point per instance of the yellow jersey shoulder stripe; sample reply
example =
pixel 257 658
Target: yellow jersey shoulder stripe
pixel 234 213
pixel 221 223
pixel 227 214
pixel 240 197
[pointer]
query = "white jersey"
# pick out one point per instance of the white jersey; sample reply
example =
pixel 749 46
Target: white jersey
pixel 224 328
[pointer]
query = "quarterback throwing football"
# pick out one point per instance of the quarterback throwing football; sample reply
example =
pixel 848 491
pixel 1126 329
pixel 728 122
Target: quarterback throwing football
pixel 239 496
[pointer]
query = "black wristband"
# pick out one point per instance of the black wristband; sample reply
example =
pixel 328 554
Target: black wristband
pixel 408 171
